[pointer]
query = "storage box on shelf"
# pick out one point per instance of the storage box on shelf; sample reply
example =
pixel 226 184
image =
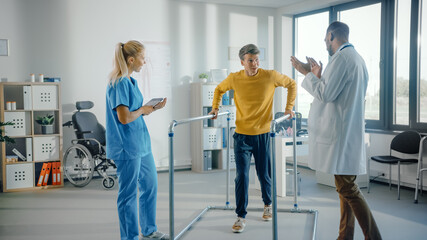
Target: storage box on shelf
pixel 209 137
pixel 31 148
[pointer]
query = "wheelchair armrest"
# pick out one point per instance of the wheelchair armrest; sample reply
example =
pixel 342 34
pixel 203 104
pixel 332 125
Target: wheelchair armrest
pixel 88 139
pixel 68 124
pixel 84 132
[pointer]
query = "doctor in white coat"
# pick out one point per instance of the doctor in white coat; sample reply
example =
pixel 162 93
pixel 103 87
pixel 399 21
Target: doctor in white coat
pixel 336 125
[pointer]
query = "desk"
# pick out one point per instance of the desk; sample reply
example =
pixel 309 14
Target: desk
pixel 284 154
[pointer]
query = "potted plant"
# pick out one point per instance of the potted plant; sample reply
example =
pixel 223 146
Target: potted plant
pixel 46 122
pixel 203 77
pixel 5 138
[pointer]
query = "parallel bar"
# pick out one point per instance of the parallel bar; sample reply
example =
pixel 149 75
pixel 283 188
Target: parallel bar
pixel 294 138
pixel 227 198
pixel 172 126
pixel 171 185
pixel 273 173
pixel 273 184
pixel 227 207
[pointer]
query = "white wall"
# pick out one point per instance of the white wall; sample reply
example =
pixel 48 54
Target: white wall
pixel 74 40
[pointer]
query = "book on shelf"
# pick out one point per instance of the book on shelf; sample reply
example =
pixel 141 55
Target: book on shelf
pixel 19 154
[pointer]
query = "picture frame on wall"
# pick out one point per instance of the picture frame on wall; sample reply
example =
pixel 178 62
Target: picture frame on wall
pixel 4 47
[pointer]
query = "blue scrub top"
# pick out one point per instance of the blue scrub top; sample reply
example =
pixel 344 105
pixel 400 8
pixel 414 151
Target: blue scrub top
pixel 125 141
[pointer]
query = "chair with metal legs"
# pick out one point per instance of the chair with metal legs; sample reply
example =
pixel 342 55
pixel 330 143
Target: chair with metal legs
pixel 420 168
pixel 407 142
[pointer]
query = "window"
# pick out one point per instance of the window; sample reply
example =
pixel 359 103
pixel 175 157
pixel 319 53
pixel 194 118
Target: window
pixel 402 36
pixel 309 41
pixel 391 36
pixel 422 88
pixel 365 35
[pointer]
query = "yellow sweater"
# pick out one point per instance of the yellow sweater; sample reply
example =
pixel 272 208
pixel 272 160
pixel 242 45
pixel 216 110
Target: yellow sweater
pixel 253 96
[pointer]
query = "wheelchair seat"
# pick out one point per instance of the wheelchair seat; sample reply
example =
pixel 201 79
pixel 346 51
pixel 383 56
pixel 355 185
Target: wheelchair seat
pixel 87 126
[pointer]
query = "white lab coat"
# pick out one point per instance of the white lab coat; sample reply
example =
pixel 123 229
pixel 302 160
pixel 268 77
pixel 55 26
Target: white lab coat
pixel 336 123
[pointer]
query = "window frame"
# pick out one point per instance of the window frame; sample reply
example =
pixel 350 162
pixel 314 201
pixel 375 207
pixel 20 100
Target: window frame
pixel 387 61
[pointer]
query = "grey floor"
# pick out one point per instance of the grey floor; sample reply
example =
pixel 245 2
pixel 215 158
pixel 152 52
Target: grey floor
pixel 90 212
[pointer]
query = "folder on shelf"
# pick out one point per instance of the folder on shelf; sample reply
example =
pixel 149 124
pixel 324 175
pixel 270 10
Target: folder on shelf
pixel 205 112
pixel 29 148
pixel 42 175
pixel 54 181
pixel 27 98
pixel 46 176
pixel 58 173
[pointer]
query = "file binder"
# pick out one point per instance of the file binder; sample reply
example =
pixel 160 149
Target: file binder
pixel 58 173
pixel 42 174
pixel 207 159
pixel 46 176
pixel 27 98
pixel 205 112
pixel 29 148
pixel 54 180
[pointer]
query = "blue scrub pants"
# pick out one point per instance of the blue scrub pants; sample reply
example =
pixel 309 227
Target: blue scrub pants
pixel 244 147
pixel 134 174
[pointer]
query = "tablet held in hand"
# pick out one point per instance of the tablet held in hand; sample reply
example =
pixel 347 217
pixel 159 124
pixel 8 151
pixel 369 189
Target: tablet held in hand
pixel 153 102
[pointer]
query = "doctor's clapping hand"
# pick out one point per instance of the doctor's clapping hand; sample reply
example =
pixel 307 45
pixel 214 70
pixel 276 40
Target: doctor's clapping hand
pixel 303 68
pixel 310 66
pixel 316 69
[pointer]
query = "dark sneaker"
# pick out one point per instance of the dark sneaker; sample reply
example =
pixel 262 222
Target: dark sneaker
pixel 156 235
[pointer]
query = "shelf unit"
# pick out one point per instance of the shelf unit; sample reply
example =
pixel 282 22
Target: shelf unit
pixel 209 138
pixel 32 100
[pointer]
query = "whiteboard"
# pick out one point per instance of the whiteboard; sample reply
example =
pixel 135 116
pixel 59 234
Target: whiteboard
pixel 154 81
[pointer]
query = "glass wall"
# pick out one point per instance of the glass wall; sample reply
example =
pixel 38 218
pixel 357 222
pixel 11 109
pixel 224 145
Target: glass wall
pixel 365 35
pixel 310 32
pixel 422 88
pixel 402 35
pixel 391 36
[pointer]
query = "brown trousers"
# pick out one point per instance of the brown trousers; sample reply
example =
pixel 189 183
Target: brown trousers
pixel 352 205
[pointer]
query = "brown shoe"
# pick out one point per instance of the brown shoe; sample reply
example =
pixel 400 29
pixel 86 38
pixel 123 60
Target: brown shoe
pixel 239 225
pixel 267 215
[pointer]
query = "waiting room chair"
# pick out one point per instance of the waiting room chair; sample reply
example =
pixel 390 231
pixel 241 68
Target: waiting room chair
pixel 407 142
pixel 420 169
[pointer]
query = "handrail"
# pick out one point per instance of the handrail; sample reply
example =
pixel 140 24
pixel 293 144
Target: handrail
pixel 172 126
pixel 274 122
pixel 188 120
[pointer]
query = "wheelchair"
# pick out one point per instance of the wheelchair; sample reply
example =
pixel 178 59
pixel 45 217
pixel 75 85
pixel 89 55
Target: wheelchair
pixel 87 153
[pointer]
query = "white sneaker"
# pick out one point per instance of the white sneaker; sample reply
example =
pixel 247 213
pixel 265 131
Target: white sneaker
pixel 239 225
pixel 268 213
pixel 156 235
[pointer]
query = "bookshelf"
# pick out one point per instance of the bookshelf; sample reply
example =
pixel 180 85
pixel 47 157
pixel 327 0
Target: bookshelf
pixel 209 137
pixel 32 99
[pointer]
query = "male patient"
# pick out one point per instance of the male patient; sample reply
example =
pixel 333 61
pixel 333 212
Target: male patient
pixel 253 95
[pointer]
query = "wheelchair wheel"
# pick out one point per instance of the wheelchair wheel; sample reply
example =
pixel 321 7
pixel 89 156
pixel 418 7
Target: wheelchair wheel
pixel 108 183
pixel 78 165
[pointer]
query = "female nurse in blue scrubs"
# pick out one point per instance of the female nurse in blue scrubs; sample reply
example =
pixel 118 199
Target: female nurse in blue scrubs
pixel 129 145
